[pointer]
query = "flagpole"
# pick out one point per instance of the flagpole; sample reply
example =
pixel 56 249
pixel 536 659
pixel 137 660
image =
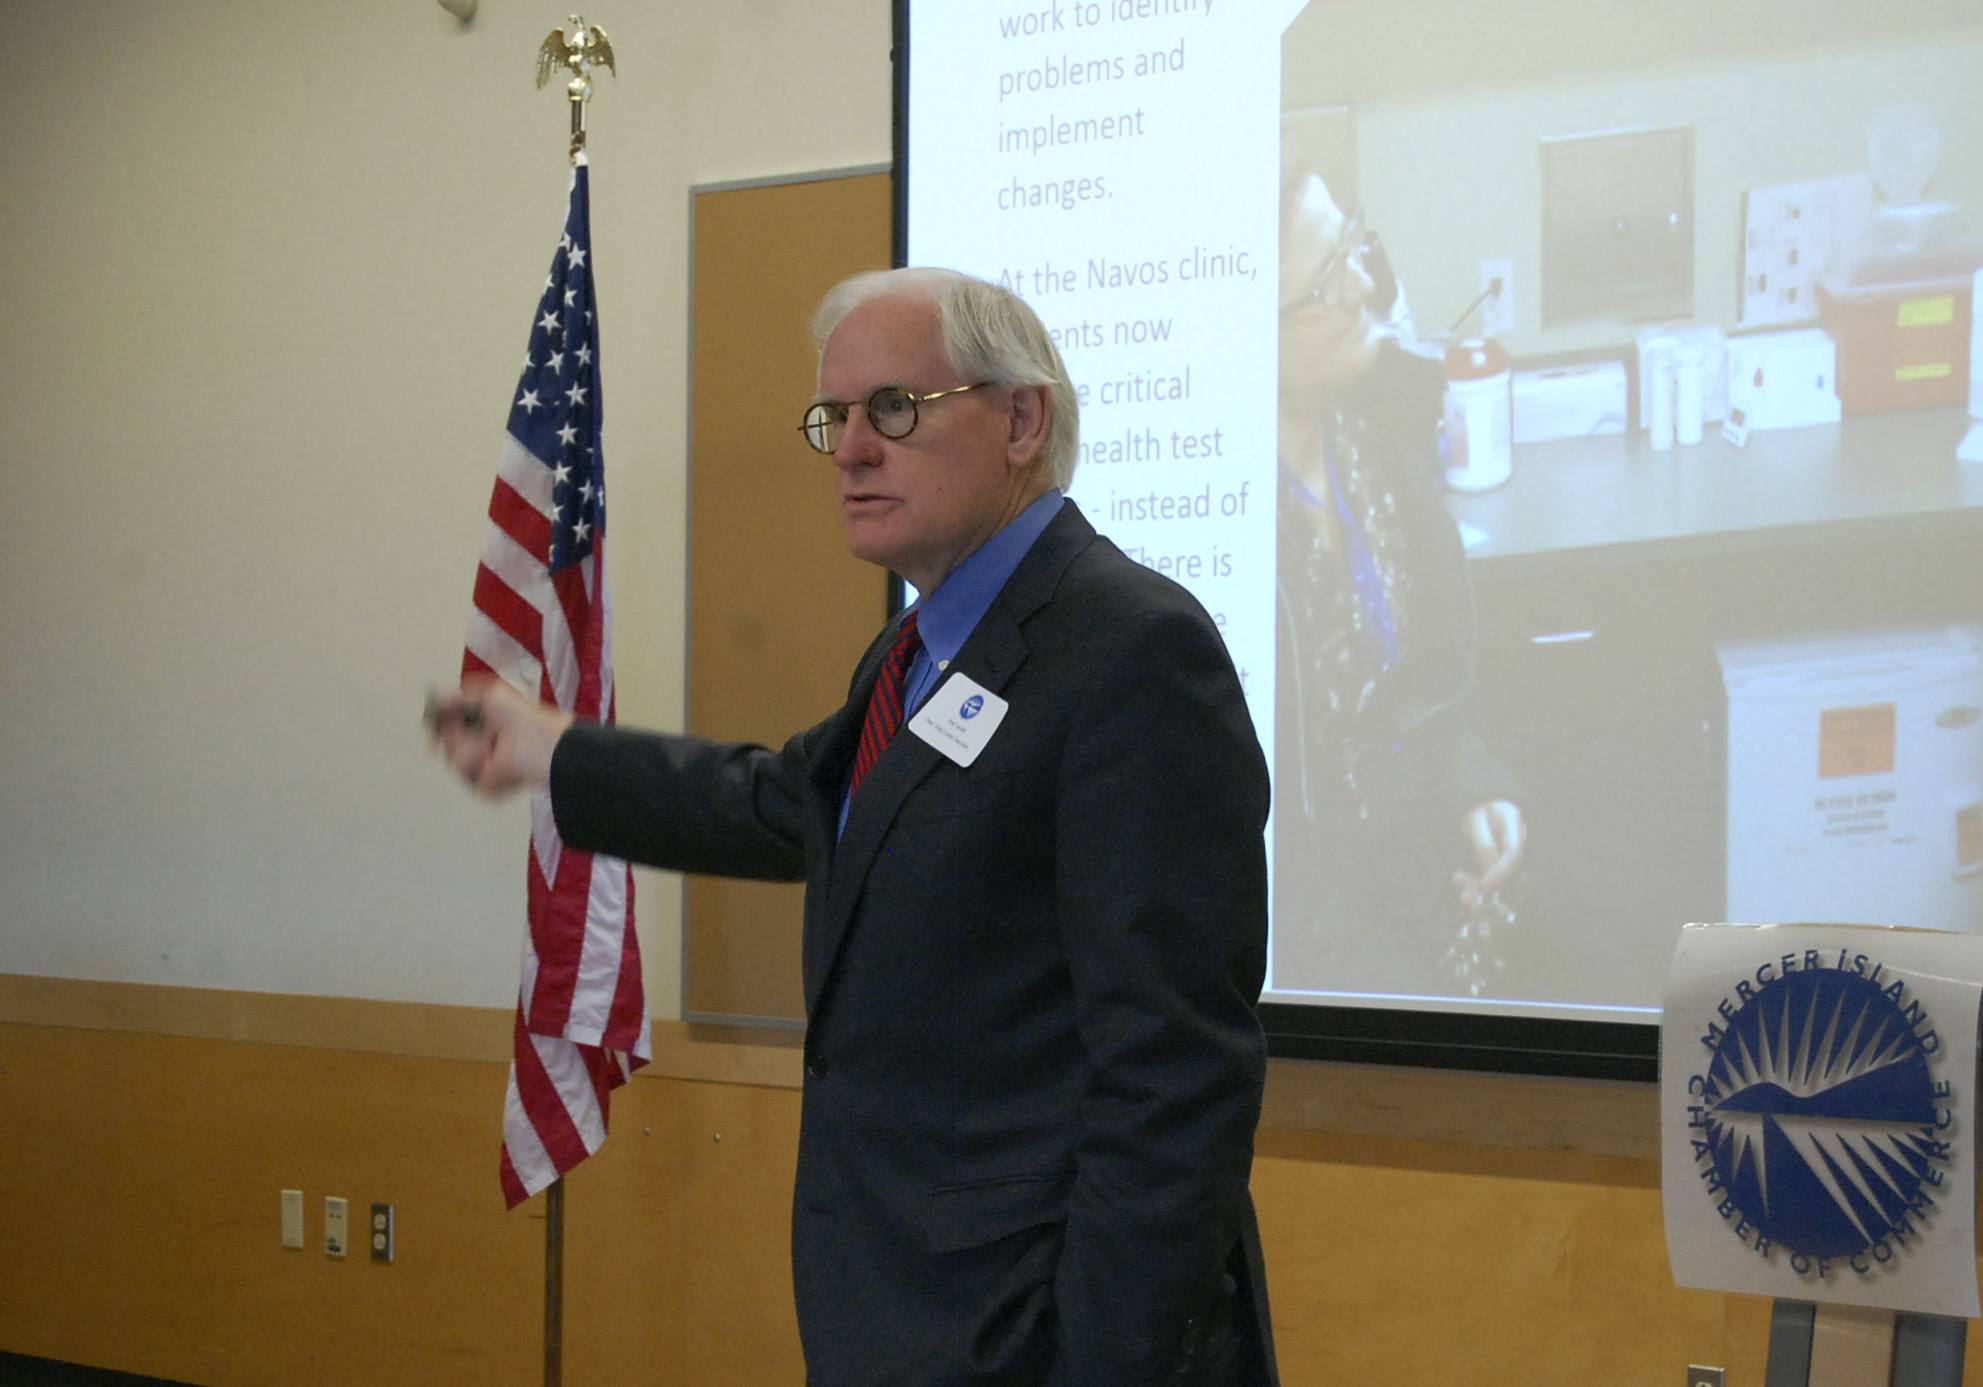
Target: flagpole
pixel 579 48
pixel 554 1279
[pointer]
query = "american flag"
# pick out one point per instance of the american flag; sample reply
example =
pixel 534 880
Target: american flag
pixel 543 623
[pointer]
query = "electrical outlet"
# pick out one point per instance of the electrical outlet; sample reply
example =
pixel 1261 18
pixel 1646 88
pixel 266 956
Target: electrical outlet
pixel 382 1232
pixel 1497 313
pixel 292 1219
pixel 336 1214
pixel 1703 1377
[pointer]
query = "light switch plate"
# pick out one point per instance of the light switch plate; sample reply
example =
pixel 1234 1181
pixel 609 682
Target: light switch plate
pixel 292 1218
pixel 336 1214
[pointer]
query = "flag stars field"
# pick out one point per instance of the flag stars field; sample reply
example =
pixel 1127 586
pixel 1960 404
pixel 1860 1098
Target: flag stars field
pixel 559 383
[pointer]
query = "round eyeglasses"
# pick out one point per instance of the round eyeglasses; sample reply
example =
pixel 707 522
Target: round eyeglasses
pixel 892 413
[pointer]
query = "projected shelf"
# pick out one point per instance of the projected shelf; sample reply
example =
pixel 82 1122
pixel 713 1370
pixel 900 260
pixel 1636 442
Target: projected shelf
pixel 1587 493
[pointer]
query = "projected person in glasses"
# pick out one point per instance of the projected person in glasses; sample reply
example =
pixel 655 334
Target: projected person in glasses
pixel 1397 838
pixel 1033 1067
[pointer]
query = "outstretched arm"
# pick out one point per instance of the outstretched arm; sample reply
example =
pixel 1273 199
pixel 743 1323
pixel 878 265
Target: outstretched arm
pixel 680 802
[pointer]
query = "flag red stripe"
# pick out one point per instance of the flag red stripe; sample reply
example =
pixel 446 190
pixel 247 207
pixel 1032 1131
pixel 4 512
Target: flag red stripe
pixel 543 1105
pixel 581 620
pixel 521 521
pixel 513 616
pixel 550 997
pixel 513 1191
pixel 558 934
pixel 605 1076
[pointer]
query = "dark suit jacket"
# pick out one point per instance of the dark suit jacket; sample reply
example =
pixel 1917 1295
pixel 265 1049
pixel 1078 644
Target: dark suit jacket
pixel 1033 1066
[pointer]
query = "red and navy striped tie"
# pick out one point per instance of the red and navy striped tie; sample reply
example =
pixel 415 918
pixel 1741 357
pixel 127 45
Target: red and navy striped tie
pixel 884 717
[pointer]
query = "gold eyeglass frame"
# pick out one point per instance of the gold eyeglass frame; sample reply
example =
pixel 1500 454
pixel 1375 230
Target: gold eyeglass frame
pixel 807 427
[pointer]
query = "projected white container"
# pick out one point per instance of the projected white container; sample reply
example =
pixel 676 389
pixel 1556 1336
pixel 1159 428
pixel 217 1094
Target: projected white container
pixel 1687 373
pixel 1855 779
pixel 1657 391
pixel 1480 445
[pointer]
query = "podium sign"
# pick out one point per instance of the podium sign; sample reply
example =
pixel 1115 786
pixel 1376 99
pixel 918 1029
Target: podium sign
pixel 1818 1114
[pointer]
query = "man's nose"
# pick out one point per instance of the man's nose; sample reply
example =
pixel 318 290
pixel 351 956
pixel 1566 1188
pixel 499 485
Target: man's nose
pixel 860 443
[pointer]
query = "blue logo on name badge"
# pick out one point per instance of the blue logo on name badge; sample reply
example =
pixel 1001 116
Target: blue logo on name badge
pixel 1818 1126
pixel 973 705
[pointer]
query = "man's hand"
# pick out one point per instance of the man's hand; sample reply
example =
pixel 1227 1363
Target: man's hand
pixel 1497 834
pixel 495 739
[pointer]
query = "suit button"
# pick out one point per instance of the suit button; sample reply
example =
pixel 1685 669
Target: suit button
pixel 816 1069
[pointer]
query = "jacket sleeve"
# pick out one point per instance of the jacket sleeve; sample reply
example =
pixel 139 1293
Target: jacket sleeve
pixel 1162 895
pixel 680 802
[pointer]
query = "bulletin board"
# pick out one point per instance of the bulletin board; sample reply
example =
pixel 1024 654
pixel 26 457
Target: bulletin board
pixel 778 611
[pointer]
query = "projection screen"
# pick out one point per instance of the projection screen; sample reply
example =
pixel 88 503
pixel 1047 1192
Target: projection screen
pixel 1565 411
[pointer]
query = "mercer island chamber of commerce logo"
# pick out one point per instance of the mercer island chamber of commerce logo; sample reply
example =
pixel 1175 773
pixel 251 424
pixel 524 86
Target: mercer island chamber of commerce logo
pixel 1821 1134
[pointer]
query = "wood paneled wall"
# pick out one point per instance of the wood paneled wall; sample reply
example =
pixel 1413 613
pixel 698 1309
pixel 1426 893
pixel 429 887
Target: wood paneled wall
pixel 779 611
pixel 139 1179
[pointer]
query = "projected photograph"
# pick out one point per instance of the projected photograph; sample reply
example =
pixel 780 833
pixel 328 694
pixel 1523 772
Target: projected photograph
pixel 1567 413
pixel 1398 832
pixel 1628 485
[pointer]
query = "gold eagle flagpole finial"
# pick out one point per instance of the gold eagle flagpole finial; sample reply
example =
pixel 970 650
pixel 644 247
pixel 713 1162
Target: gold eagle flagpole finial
pixel 581 48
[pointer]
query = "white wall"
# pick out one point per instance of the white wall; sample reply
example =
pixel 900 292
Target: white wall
pixel 266 272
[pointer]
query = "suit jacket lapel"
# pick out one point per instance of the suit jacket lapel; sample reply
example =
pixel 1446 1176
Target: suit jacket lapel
pixel 991 655
pixel 826 772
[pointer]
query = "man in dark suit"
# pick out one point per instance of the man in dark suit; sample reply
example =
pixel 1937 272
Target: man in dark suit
pixel 1031 953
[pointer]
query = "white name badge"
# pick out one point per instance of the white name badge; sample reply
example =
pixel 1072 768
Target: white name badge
pixel 959 718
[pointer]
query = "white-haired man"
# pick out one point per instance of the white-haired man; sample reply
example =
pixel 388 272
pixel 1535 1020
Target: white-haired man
pixel 1031 958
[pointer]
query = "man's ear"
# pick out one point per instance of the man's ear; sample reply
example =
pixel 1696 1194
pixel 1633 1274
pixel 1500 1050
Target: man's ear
pixel 1032 416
